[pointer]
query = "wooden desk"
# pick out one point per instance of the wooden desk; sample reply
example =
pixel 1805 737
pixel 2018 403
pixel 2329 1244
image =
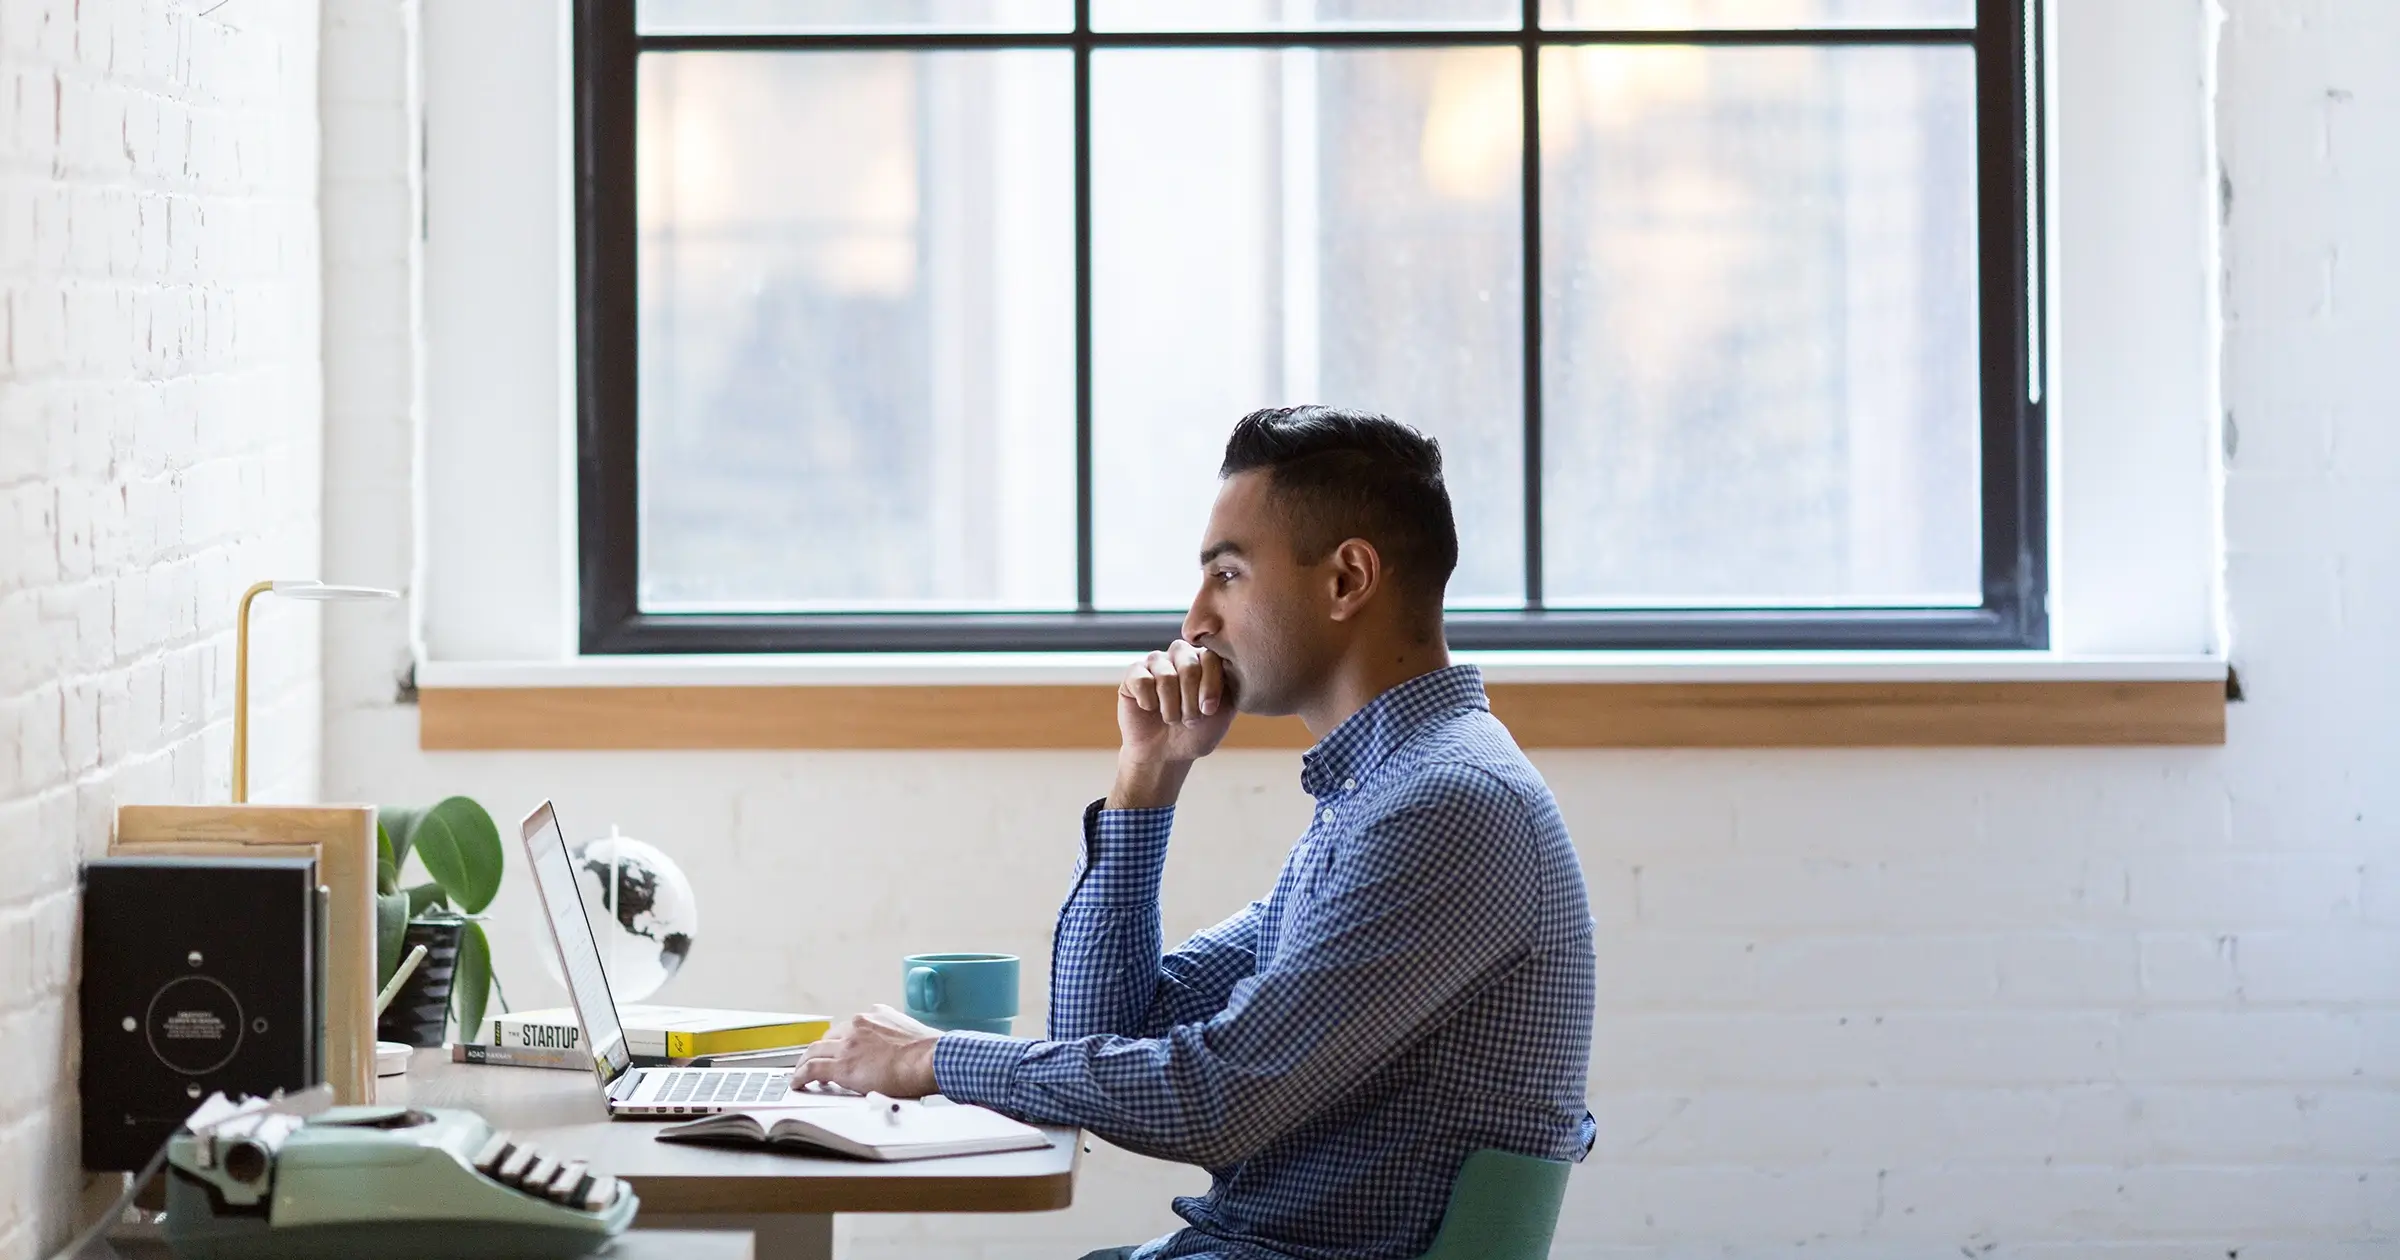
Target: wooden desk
pixel 787 1200
pixel 144 1242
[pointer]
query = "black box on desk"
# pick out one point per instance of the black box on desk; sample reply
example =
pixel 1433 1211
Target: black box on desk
pixel 199 975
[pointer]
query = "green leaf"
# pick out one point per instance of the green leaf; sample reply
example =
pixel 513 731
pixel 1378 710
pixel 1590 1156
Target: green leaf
pixel 471 982
pixel 391 932
pixel 400 822
pixel 425 897
pixel 387 866
pixel 460 846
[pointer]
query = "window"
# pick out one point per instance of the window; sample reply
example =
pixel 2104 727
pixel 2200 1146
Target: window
pixel 919 324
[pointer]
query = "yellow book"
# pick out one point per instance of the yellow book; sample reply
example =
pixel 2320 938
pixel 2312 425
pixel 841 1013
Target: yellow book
pixel 662 1032
pixel 798 1032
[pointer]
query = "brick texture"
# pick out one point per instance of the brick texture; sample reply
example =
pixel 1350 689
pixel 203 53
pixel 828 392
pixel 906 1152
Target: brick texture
pixel 160 404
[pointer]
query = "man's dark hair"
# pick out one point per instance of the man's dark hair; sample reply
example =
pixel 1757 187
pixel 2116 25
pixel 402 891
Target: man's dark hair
pixel 1337 474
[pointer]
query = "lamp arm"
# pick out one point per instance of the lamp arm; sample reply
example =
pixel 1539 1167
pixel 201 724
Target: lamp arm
pixel 241 693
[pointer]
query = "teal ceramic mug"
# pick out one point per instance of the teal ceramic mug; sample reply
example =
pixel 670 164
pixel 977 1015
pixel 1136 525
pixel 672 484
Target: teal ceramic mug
pixel 961 992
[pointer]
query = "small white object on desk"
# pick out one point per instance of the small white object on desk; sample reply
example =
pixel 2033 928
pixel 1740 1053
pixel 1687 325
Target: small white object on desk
pixel 391 1057
pixel 391 987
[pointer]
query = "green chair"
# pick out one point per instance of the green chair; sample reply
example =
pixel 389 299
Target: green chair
pixel 1504 1206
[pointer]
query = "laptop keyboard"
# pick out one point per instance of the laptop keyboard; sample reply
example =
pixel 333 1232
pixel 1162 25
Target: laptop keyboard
pixel 731 1089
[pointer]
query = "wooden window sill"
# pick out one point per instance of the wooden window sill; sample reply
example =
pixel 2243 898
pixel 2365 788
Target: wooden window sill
pixel 1551 703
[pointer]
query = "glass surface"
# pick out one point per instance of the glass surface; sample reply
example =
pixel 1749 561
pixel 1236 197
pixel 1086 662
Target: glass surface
pixel 857 330
pixel 1305 15
pixel 1277 227
pixel 578 951
pixel 787 17
pixel 1759 326
pixel 1682 15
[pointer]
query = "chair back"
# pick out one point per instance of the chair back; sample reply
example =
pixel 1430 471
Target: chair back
pixel 1504 1206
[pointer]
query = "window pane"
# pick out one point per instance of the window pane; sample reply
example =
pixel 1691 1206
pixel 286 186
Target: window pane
pixel 857 314
pixel 1273 15
pixel 1759 329
pixel 1680 15
pixel 776 17
pixel 1275 227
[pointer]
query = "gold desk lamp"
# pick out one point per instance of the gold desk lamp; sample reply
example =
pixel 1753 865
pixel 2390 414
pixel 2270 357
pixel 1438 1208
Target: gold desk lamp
pixel 302 588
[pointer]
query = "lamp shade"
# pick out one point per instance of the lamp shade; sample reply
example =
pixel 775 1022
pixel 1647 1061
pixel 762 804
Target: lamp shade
pixel 309 588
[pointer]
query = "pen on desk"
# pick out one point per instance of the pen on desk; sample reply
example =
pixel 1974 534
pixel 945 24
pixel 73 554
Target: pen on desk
pixel 408 967
pixel 888 1108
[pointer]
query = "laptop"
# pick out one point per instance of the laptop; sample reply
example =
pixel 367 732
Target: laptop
pixel 632 1091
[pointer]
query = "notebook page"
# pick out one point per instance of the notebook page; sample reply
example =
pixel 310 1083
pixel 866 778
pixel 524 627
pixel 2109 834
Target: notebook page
pixel 890 1126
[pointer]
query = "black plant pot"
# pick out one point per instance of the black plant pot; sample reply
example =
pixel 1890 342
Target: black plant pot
pixel 420 1012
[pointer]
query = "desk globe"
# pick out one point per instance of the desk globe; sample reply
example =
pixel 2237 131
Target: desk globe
pixel 641 910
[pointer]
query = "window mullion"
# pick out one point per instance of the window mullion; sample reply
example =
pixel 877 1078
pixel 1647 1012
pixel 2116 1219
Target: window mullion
pixel 1083 306
pixel 1530 51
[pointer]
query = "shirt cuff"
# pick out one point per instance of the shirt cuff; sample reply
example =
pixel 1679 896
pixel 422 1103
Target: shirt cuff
pixel 973 1067
pixel 1124 853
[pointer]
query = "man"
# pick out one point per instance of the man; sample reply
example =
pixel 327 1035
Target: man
pixel 1418 984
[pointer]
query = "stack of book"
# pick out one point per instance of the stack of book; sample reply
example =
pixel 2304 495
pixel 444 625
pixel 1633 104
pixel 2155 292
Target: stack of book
pixel 552 1037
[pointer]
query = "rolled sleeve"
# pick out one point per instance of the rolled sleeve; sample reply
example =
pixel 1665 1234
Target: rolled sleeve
pixel 1124 855
pixel 973 1067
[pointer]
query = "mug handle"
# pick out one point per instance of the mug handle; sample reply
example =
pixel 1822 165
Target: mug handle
pixel 924 989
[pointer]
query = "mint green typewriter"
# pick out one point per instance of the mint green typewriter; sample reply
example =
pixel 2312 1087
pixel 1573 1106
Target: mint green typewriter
pixel 381 1183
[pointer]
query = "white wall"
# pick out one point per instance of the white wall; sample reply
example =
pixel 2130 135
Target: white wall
pixel 159 451
pixel 372 207
pixel 2133 328
pixel 2132 1004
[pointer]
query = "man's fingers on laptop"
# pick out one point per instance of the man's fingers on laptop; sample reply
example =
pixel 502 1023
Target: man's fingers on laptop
pixel 880 1049
pixel 822 1061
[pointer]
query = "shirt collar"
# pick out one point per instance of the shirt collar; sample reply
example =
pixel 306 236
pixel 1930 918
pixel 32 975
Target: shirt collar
pixel 1353 749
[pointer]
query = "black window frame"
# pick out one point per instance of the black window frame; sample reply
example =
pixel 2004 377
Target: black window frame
pixel 2006 39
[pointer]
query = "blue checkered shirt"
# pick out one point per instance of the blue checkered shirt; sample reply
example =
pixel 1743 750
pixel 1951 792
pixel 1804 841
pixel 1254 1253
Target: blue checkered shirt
pixel 1418 985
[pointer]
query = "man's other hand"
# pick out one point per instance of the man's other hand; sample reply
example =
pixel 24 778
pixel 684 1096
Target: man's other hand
pixel 879 1051
pixel 1173 708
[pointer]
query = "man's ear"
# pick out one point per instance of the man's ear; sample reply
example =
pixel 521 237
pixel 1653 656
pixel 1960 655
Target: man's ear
pixel 1356 574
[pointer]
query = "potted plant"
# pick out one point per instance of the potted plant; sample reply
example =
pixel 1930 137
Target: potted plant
pixel 459 846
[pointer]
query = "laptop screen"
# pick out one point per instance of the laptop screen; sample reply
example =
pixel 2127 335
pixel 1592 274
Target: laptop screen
pixel 578 953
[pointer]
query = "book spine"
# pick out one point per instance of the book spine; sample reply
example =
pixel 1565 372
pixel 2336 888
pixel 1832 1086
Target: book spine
pixel 684 1045
pixel 517 1034
pixel 502 1056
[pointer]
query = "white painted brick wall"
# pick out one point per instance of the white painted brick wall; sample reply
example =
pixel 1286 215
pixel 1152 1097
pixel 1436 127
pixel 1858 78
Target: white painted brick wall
pixel 159 450
pixel 2114 1004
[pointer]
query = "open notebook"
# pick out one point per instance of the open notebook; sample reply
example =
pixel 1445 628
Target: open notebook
pixel 873 1127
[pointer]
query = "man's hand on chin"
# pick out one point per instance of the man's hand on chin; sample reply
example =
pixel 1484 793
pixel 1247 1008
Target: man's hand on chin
pixel 1173 708
pixel 879 1051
